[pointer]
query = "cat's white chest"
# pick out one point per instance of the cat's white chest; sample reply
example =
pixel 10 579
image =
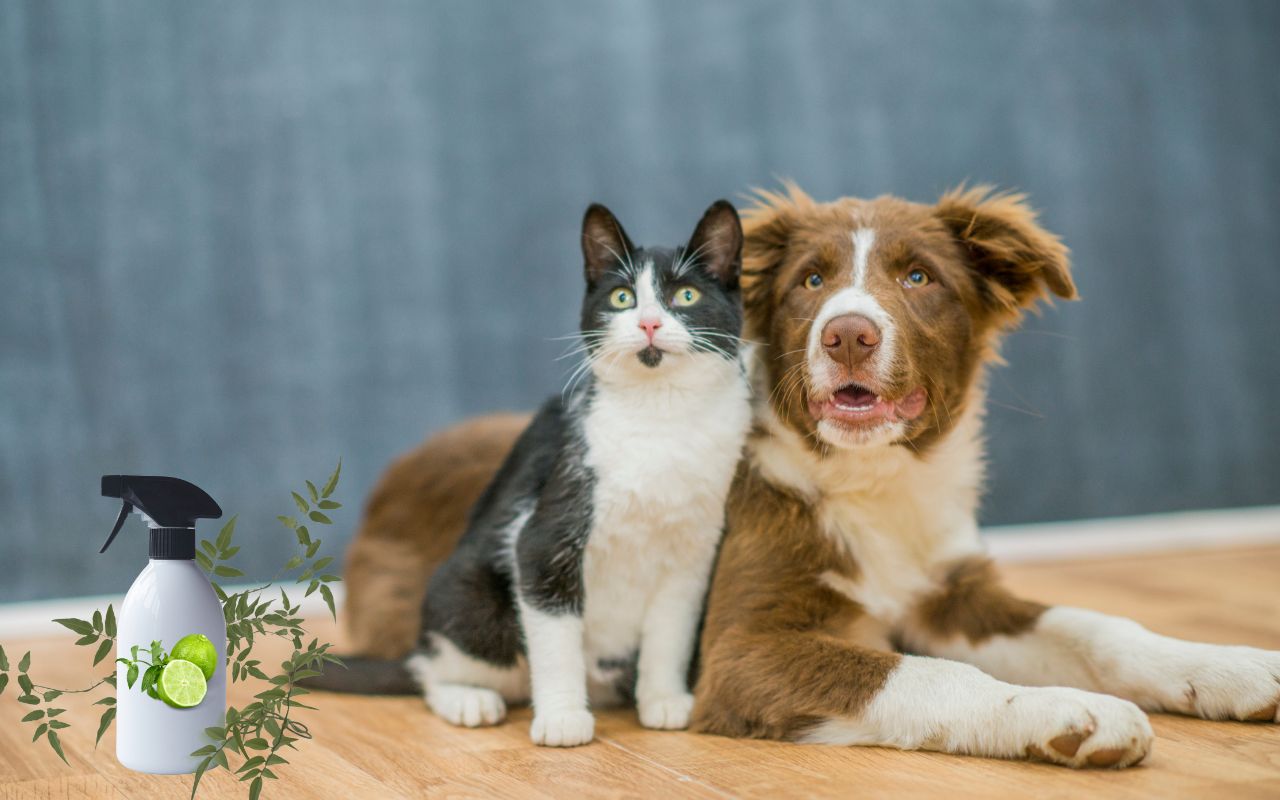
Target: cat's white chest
pixel 662 469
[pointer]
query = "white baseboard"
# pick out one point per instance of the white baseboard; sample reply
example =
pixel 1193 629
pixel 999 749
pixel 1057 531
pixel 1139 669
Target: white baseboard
pixel 1101 538
pixel 1046 541
pixel 34 619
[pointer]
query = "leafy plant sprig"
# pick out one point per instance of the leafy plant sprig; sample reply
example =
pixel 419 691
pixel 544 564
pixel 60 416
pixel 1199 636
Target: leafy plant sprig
pixel 255 734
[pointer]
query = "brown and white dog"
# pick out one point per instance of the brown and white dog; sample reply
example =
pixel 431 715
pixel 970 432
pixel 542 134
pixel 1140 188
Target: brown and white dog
pixel 852 602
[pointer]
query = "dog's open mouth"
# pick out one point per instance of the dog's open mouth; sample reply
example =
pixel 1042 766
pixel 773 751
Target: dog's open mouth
pixel 858 405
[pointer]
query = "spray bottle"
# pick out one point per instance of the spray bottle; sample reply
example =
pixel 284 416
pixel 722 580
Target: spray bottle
pixel 171 599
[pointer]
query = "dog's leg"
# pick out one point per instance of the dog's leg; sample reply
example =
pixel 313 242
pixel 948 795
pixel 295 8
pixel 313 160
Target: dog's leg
pixel 975 620
pixel 809 687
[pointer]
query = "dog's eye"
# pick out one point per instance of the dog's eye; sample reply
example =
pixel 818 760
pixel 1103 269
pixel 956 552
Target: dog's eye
pixel 686 296
pixel 917 278
pixel 622 298
pixel 813 281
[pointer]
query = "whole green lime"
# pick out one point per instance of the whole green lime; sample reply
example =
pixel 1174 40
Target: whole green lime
pixel 197 649
pixel 181 684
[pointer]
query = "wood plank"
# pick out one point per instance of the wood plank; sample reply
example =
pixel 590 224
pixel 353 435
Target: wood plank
pixel 392 747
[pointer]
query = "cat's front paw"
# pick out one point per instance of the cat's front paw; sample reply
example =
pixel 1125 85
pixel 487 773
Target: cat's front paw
pixel 668 713
pixel 562 728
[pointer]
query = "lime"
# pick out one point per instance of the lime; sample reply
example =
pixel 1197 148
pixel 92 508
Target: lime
pixel 197 649
pixel 181 684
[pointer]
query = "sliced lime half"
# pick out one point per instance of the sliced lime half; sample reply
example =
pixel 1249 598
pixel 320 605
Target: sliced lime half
pixel 181 684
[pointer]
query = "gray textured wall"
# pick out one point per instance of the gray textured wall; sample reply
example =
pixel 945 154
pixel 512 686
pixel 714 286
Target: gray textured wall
pixel 238 240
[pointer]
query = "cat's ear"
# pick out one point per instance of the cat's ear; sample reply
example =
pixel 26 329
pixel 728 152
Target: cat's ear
pixel 604 242
pixel 717 243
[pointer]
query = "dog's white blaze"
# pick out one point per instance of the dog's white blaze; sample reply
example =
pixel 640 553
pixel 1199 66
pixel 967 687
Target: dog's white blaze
pixel 934 704
pixel 853 300
pixel 863 240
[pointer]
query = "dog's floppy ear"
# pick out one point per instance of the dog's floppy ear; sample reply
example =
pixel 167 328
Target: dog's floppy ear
pixel 768 226
pixel 1020 261
pixel 604 242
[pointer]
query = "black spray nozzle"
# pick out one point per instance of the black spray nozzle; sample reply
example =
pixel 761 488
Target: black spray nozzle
pixel 169 502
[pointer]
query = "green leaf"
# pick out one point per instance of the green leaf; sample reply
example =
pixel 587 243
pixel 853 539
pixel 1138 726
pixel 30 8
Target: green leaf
pixel 204 561
pixel 322 563
pixel 224 535
pixel 106 701
pixel 311 489
pixel 97 620
pixel 34 715
pixel 221 758
pixel 302 505
pixel 328 600
pixel 57 747
pixel 200 768
pixel 87 639
pixel 250 763
pixel 103 649
pixel 207 750
pixel 58 724
pixel 29 699
pixel 312 548
pixel 288 522
pixel 4 681
pixel 40 731
pixel 293 563
pixel 150 677
pixel 255 788
pixel 330 504
pixel 223 571
pixel 314 585
pixel 132 675
pixel 316 516
pixel 104 723
pixel 229 552
pixel 78 625
pixel 111 622
pixel 4 660
pixel 257 743
pixel 304 535
pixel 51 695
pixel 274 760
pixel 53 712
pixel 333 480
pixel 25 682
pixel 25 662
pixel 329 578
pixel 208 547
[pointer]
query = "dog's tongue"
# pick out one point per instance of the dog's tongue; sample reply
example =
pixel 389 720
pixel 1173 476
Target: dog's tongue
pixel 855 397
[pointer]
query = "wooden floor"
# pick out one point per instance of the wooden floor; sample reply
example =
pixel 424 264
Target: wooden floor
pixel 392 747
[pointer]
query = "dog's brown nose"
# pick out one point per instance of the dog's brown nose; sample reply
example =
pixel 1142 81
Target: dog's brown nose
pixel 850 339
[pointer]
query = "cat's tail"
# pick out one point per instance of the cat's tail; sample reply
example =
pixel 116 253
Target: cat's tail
pixel 360 675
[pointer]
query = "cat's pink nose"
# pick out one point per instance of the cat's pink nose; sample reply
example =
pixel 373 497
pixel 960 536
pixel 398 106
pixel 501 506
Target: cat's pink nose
pixel 650 326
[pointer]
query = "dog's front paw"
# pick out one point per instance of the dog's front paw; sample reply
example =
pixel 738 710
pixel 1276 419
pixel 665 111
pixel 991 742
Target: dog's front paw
pixel 1080 729
pixel 1241 683
pixel 562 728
pixel 669 713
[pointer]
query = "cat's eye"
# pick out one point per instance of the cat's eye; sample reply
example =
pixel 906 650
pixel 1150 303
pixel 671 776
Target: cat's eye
pixel 814 280
pixel 686 296
pixel 622 298
pixel 916 278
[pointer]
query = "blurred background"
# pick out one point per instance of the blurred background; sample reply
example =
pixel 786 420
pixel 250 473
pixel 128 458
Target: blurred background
pixel 240 240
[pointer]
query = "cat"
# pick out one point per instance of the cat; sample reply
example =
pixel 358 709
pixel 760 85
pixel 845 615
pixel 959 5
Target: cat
pixel 581 578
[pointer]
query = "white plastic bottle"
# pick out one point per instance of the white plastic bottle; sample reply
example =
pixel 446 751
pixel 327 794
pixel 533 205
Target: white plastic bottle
pixel 169 600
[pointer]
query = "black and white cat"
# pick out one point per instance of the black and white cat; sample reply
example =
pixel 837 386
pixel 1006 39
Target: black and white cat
pixel 581 578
